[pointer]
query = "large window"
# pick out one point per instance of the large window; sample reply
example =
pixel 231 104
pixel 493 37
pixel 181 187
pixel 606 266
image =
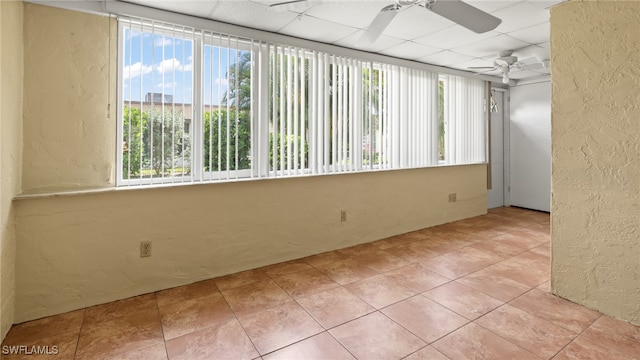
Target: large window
pixel 199 106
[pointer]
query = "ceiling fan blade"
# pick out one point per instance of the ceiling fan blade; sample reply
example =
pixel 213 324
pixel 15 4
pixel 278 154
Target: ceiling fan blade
pixel 466 15
pixel 287 5
pixel 377 26
pixel 483 67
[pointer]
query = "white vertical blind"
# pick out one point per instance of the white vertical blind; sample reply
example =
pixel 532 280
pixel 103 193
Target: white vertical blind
pixel 465 120
pixel 236 108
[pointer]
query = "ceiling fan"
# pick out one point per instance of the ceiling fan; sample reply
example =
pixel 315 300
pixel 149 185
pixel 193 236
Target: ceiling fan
pixel 507 62
pixel 457 11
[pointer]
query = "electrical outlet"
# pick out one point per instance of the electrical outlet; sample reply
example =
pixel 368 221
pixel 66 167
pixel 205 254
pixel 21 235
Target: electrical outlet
pixel 343 216
pixel 145 248
pixel 452 197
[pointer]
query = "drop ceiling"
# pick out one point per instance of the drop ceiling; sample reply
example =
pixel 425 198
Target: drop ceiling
pixel 415 33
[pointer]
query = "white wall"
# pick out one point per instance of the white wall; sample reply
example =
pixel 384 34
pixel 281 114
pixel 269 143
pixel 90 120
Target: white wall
pixel 530 134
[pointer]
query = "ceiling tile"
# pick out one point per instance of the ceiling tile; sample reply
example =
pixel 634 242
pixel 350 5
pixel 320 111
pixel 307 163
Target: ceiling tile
pixel 307 27
pixel 491 47
pixel 534 34
pixel 445 58
pixel 491 6
pixel 189 7
pixel 410 50
pixel 534 52
pixel 298 7
pixel 453 36
pixel 522 15
pixel 253 15
pixel 382 43
pixel 524 23
pixel 355 14
pixel 414 22
pixel 475 62
pixel 526 74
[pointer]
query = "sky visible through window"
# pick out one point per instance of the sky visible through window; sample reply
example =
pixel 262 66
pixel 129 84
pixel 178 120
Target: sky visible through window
pixel 162 63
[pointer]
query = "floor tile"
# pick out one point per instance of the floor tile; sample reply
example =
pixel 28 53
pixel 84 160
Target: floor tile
pixel 375 336
pixel 493 284
pixel 122 308
pixel 463 300
pixel 526 271
pixel 305 282
pixel 334 307
pixel 32 331
pixel 544 249
pixel 319 347
pixel 60 346
pixel 255 297
pixel 532 333
pixel 545 287
pixel 527 236
pixel 390 242
pixel 279 326
pixel 381 260
pixel 287 267
pixel 153 352
pixel 425 318
pixel 591 346
pixel 221 341
pixel 424 234
pixel 474 342
pixel 610 332
pixel 101 339
pixel 427 353
pixel 186 292
pixel 461 262
pixel 379 291
pixel 357 250
pixel 240 279
pixel 347 271
pixel 503 246
pixel 570 316
pixel 413 251
pixel 416 277
pixel 191 315
pixel 325 258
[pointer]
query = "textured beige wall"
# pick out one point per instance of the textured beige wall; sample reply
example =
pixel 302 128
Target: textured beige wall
pixel 69 141
pixel 11 85
pixel 596 153
pixel 80 250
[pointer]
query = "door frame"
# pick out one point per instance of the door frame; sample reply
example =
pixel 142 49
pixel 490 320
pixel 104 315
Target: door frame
pixel 506 144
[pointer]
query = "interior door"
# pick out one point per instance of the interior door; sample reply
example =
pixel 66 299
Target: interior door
pixel 530 133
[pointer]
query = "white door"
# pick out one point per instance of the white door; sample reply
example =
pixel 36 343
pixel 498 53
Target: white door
pixel 530 125
pixel 496 195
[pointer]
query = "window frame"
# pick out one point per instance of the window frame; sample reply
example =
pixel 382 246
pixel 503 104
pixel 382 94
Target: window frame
pixel 260 112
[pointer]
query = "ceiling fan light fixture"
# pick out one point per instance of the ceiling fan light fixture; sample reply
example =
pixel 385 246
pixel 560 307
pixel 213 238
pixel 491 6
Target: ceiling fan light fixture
pixel 505 78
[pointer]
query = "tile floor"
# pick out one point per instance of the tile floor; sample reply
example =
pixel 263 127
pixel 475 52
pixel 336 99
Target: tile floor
pixel 473 289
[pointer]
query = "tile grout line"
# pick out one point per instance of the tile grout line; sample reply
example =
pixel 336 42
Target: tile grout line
pixel 75 351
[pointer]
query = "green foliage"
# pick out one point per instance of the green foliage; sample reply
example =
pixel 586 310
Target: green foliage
pixel 132 149
pixel 239 94
pixel 164 140
pixel 154 141
pixel 290 143
pixel 215 142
